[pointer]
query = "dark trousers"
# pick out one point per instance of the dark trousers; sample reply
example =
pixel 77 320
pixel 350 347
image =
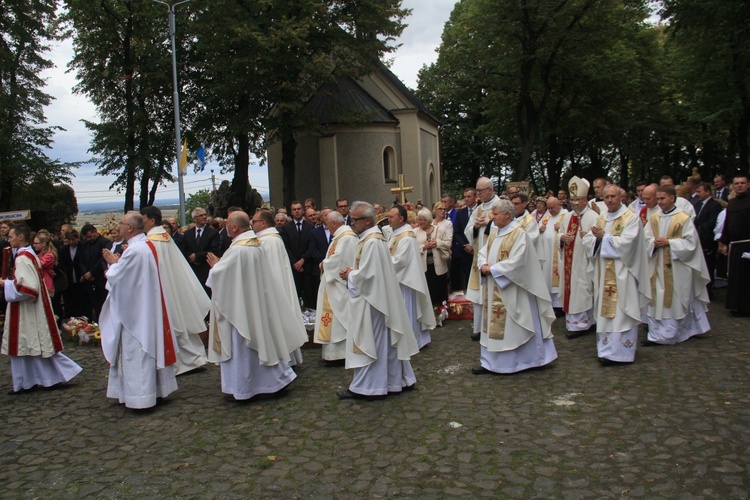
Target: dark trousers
pixel 456 274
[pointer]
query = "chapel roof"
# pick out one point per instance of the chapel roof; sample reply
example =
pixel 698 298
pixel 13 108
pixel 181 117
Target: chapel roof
pixel 347 101
pixel 344 100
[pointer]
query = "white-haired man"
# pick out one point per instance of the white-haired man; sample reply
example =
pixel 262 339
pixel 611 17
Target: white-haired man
pixel 332 318
pixel 380 340
pixel 477 231
pixel 518 315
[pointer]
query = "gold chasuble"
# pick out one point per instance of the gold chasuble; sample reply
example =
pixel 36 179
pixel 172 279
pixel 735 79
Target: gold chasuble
pixel 676 224
pixel 495 313
pixel 360 247
pixel 609 297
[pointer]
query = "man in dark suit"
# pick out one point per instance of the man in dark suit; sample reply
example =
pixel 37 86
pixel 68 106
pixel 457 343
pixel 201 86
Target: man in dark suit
pixel 461 250
pixel 297 236
pixel 319 240
pixel 342 207
pixel 197 243
pixel 74 296
pixel 722 191
pixel 91 267
pixel 707 211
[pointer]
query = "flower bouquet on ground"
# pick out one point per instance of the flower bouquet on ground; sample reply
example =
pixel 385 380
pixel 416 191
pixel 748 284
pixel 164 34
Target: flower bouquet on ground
pixel 87 332
pixel 441 313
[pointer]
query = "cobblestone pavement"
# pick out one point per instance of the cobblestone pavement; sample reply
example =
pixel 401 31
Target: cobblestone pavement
pixel 674 424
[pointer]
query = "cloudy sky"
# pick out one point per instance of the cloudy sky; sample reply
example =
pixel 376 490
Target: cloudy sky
pixel 418 44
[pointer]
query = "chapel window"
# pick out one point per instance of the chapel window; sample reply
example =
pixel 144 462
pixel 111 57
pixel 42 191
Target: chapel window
pixel 390 171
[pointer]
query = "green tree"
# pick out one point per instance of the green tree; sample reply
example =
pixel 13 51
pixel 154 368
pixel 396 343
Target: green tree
pixel 122 63
pixel 199 199
pixel 711 48
pixel 53 206
pixel 554 86
pixel 256 64
pixel 26 29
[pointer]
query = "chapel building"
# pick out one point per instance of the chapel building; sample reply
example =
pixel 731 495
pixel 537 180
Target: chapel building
pixel 397 135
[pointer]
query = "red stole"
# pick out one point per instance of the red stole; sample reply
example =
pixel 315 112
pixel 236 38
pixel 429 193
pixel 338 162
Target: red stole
pixel 643 215
pixel 568 256
pixel 14 310
pixel 170 357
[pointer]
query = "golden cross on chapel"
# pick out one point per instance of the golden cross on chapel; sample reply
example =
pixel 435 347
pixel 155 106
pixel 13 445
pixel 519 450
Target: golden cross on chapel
pixel 401 189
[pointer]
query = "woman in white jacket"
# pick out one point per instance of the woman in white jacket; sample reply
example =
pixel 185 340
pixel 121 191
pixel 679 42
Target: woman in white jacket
pixel 434 238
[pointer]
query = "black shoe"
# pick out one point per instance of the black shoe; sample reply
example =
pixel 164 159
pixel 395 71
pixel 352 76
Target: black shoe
pixel 575 335
pixel 475 336
pixel 347 394
pixel 408 388
pixel 22 391
pixel 559 313
pixel 609 362
pixel 481 371
pixel 648 343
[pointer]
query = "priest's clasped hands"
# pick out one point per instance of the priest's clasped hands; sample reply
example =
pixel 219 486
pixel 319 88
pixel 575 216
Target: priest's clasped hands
pixel 211 259
pixel 344 273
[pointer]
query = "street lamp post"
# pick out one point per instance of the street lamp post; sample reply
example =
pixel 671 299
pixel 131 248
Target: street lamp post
pixel 178 135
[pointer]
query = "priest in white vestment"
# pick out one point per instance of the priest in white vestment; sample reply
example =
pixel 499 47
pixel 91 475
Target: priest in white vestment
pixel 252 331
pixel 407 262
pixel 30 334
pixel 477 231
pixel 576 282
pixel 524 218
pixel 332 312
pixel 617 250
pixel 649 206
pixel 187 301
pixel 137 337
pixel 277 259
pixel 548 247
pixel 679 275
pixel 518 314
pixel 380 341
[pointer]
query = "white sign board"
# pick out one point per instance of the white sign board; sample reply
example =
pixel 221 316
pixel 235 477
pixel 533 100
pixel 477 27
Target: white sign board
pixel 15 216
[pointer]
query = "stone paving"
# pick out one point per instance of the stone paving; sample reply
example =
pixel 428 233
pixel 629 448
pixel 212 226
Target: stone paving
pixel 672 425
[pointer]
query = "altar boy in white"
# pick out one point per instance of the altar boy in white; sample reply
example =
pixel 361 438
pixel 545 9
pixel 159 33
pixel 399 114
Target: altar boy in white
pixel 679 274
pixel 30 335
pixel 518 314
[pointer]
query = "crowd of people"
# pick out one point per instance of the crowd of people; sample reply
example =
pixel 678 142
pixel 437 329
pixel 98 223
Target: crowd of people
pixel 231 291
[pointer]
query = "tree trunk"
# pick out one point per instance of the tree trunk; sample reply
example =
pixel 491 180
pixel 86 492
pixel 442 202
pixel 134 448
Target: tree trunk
pixel 743 127
pixel 241 175
pixel 129 115
pixel 288 159
pixel 624 171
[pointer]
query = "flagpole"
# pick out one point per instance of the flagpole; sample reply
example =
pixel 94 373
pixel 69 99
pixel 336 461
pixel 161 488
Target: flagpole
pixel 178 137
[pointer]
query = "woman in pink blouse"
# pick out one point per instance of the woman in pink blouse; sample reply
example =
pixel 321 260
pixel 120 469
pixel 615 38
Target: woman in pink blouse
pixel 47 254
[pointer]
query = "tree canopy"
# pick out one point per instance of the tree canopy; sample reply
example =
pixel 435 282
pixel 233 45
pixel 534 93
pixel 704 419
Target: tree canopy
pixel 540 90
pixel 27 27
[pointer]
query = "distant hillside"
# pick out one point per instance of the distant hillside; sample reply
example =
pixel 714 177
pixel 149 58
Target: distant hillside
pixel 106 207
